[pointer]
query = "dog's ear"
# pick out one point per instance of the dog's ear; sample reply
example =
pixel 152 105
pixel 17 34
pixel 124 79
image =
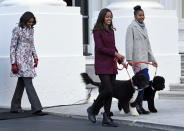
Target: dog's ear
pixel 134 79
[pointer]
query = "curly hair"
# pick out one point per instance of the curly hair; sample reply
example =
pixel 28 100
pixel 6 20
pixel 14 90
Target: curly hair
pixel 137 9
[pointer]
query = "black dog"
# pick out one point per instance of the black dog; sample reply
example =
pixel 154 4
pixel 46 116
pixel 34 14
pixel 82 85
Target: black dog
pixel 125 91
pixel 157 84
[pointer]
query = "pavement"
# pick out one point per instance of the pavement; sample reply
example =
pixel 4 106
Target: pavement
pixel 58 123
pixel 170 115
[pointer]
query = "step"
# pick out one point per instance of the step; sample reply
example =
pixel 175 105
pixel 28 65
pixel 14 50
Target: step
pixel 182 72
pixel 182 57
pixel 178 95
pixel 176 87
pixel 89 60
pixel 182 79
pixel 182 64
pixel 91 86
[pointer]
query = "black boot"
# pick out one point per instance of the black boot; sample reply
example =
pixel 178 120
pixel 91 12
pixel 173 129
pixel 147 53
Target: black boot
pixel 91 114
pixel 107 121
pixel 97 108
pixel 139 107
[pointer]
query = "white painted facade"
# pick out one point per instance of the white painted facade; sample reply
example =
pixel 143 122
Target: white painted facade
pixel 58 41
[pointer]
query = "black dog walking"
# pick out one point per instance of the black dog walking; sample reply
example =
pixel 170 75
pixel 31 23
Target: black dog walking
pixel 125 91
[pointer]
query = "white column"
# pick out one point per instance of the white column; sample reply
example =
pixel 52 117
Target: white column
pixel 32 2
pixel 58 41
pixel 169 4
pixel 129 4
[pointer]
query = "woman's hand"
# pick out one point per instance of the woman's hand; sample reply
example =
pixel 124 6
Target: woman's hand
pixel 124 65
pixel 154 63
pixel 14 68
pixel 35 62
pixel 119 56
pixel 130 62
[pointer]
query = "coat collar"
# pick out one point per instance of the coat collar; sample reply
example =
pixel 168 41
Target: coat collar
pixel 142 31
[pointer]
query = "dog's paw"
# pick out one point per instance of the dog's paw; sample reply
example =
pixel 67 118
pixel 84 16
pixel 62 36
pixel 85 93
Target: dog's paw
pixel 133 112
pixel 153 110
pixel 122 112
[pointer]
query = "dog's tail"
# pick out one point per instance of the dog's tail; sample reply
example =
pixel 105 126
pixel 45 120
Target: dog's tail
pixel 87 80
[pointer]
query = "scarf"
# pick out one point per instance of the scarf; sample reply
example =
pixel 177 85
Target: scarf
pixel 142 25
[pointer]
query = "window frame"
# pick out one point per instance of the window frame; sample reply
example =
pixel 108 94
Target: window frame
pixel 181 11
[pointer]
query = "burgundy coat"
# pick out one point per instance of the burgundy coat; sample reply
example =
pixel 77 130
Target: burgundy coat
pixel 104 52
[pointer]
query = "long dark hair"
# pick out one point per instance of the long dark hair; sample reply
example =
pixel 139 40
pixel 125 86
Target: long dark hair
pixel 137 9
pixel 100 21
pixel 25 18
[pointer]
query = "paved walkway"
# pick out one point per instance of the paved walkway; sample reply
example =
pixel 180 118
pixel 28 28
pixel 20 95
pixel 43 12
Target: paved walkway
pixel 170 115
pixel 58 123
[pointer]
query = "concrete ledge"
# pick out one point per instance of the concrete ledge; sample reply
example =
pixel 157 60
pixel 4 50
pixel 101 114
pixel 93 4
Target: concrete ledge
pixel 176 87
pixel 171 95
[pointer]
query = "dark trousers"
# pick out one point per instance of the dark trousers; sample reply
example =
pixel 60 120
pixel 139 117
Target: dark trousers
pixel 32 95
pixel 105 93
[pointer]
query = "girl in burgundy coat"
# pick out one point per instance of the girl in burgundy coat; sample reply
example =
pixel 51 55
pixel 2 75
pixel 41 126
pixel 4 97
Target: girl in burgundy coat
pixel 105 52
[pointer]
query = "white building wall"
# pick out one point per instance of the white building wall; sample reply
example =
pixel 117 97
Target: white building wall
pixel 58 41
pixel 177 5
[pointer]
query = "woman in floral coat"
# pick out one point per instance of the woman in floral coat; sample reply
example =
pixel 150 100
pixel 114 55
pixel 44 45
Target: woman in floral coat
pixel 22 53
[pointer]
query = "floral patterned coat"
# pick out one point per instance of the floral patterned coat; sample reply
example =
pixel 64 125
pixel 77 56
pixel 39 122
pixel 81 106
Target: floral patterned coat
pixel 22 51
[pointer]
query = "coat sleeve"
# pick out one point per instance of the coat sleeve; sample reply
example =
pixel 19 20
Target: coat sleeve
pixel 150 53
pixel 32 45
pixel 13 45
pixel 100 46
pixel 129 43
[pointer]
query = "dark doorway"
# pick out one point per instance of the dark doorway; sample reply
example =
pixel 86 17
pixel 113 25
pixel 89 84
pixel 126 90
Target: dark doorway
pixel 69 2
pixel 84 11
pixel 83 4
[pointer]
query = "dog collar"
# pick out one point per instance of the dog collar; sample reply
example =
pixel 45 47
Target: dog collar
pixel 152 88
pixel 135 87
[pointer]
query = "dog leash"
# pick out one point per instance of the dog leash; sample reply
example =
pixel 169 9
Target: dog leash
pixel 134 66
pixel 148 63
pixel 116 64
